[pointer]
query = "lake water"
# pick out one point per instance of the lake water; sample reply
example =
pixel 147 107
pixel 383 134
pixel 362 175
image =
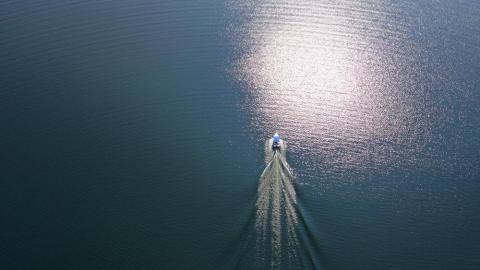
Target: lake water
pixel 133 133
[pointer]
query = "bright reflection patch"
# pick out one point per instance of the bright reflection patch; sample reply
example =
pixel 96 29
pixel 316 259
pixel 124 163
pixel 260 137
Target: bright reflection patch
pixel 298 79
pixel 322 75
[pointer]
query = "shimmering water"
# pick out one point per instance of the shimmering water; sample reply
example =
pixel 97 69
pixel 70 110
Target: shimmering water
pixel 133 134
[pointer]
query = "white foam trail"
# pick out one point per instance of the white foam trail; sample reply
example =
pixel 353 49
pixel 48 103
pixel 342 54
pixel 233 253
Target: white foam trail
pixel 274 237
pixel 277 243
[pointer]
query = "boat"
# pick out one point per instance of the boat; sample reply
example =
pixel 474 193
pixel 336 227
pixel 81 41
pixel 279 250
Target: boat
pixel 276 142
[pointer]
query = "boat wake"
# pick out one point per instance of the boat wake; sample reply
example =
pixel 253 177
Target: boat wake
pixel 273 240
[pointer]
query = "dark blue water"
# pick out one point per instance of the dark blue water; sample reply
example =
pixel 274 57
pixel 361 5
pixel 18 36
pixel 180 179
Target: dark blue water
pixel 132 134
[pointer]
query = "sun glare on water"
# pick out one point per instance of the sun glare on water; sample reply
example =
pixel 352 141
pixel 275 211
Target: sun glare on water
pixel 323 76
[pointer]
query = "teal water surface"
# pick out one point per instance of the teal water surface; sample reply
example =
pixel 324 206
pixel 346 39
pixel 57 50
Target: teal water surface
pixel 132 134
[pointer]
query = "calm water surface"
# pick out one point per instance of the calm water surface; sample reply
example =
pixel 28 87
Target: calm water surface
pixel 133 134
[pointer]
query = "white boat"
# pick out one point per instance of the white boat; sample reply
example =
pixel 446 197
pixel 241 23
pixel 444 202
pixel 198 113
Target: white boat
pixel 276 141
